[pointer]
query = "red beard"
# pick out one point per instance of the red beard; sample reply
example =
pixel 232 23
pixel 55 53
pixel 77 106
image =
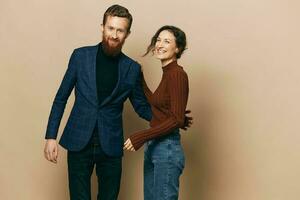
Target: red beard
pixel 109 49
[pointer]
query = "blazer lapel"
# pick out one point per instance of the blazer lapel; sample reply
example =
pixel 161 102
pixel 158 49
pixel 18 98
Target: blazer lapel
pixel 92 71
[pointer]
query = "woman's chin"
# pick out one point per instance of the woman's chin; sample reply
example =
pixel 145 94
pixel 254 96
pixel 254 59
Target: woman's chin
pixel 159 57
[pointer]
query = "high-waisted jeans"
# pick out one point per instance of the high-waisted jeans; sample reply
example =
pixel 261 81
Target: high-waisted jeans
pixel 163 164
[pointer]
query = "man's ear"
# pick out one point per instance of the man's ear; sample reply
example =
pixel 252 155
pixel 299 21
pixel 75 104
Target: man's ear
pixel 101 27
pixel 128 33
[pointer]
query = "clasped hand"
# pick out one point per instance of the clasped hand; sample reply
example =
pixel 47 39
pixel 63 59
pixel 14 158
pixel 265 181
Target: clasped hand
pixel 188 121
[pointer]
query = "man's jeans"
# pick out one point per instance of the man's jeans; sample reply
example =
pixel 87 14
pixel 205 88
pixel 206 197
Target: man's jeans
pixel 163 165
pixel 80 168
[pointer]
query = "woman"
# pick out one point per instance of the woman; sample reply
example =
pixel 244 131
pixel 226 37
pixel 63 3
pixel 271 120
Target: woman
pixel 164 157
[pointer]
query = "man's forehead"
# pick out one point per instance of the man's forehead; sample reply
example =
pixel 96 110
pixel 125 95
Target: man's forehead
pixel 116 19
pixel 117 22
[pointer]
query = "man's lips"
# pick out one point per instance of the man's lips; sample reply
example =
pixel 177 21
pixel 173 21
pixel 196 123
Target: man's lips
pixel 114 41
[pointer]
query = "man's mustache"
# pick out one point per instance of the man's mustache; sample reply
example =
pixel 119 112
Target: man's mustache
pixel 114 40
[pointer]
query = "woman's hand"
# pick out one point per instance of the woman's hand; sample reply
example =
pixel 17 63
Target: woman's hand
pixel 188 120
pixel 128 145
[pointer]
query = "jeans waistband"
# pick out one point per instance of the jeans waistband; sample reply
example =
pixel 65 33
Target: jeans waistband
pixel 175 135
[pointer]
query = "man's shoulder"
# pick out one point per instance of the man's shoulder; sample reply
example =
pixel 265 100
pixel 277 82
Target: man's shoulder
pixel 132 62
pixel 86 48
pixel 85 51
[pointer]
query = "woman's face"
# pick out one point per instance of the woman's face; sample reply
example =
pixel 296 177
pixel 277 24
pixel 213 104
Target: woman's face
pixel 165 47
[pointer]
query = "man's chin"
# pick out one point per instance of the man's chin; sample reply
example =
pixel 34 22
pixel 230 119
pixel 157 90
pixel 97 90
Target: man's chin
pixel 113 44
pixel 111 50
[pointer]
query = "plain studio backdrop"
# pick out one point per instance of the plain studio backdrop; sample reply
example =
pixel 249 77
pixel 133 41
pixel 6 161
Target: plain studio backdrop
pixel 243 66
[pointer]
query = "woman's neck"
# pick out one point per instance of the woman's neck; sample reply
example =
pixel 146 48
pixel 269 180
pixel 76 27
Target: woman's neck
pixel 166 62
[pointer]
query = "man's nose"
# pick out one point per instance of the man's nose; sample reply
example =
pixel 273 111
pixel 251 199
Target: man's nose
pixel 114 35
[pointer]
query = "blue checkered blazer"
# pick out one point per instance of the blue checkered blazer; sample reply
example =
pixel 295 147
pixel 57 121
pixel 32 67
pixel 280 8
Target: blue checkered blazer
pixel 86 111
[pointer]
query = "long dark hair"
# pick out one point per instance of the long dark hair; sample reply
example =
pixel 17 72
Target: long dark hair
pixel 179 35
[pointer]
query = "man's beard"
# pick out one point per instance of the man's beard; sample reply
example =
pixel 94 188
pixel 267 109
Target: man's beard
pixel 111 50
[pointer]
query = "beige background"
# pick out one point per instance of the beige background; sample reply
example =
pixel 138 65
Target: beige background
pixel 243 65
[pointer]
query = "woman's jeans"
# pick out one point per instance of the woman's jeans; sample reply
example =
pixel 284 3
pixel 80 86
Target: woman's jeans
pixel 163 165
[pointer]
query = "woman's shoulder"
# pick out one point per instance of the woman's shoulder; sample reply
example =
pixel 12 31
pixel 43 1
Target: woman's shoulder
pixel 178 70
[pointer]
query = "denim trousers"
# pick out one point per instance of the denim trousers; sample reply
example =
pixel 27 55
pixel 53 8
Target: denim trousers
pixel 80 169
pixel 163 164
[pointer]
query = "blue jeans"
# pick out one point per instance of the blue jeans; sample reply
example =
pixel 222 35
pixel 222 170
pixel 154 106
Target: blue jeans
pixel 163 165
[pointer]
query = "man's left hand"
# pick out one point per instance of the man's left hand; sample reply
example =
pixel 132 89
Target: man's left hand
pixel 128 145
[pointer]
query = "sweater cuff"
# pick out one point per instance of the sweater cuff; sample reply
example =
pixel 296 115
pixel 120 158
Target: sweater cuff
pixel 136 141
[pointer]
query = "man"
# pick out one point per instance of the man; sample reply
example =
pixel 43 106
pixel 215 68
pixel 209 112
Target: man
pixel 103 78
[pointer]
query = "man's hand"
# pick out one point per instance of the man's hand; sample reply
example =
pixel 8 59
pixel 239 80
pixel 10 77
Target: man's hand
pixel 188 120
pixel 51 150
pixel 128 145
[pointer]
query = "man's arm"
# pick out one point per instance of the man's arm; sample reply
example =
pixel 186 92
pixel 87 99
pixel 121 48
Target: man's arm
pixel 139 100
pixel 61 98
pixel 58 107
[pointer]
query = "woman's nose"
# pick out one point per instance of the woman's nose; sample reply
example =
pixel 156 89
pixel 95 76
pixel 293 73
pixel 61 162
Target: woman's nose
pixel 159 44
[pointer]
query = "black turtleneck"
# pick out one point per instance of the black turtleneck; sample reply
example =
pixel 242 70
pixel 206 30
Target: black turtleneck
pixel 106 73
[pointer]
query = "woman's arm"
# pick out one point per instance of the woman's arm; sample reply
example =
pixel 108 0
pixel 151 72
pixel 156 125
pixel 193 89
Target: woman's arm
pixel 178 90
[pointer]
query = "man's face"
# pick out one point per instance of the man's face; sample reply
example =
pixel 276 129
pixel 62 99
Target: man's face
pixel 114 33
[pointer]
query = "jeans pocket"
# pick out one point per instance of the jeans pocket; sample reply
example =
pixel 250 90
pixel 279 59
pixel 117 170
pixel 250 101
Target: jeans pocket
pixel 178 156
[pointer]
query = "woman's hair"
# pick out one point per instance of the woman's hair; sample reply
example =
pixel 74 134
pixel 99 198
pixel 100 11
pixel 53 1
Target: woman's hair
pixel 179 35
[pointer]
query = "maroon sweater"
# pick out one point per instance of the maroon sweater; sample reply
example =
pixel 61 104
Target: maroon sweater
pixel 168 104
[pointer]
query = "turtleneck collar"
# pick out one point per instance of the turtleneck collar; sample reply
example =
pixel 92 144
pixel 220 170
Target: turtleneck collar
pixel 170 66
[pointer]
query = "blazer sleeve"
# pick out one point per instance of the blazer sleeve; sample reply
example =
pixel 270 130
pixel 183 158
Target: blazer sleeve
pixel 178 89
pixel 61 97
pixel 138 99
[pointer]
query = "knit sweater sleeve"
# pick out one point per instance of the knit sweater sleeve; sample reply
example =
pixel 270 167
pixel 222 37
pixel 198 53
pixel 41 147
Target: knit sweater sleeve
pixel 178 90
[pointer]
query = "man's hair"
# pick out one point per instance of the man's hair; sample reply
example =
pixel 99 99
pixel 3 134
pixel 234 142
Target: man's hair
pixel 118 11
